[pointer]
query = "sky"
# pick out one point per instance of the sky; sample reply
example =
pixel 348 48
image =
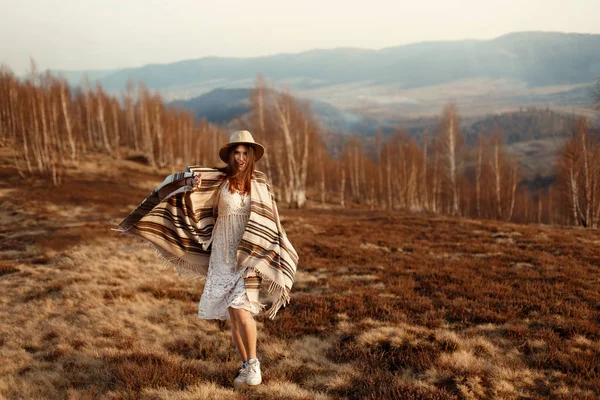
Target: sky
pixel 109 34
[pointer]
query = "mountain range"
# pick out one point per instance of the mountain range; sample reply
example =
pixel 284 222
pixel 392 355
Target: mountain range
pixel 535 58
pixel 519 69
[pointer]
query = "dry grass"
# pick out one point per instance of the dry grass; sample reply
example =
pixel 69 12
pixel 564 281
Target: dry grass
pixel 385 306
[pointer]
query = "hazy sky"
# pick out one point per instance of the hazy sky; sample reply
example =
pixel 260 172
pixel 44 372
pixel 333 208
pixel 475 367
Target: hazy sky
pixel 99 34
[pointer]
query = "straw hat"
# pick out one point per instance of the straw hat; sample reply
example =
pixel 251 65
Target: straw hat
pixel 241 137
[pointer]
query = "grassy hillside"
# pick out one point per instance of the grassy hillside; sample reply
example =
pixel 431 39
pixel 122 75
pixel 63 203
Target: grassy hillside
pixel 385 305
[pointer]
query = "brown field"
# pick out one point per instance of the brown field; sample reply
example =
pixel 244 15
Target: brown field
pixel 385 305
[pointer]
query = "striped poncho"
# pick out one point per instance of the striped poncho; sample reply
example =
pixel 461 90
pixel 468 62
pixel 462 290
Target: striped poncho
pixel 180 227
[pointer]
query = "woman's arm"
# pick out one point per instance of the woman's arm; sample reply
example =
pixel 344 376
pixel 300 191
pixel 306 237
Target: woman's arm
pixel 193 181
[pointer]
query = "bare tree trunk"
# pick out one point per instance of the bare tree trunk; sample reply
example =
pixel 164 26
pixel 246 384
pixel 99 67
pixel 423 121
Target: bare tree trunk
pixel 323 193
pixel 597 214
pixel 102 122
pixel 116 133
pixel 261 120
pixel 15 126
pixel 513 192
pixel 550 214
pixel 4 113
pixel 573 175
pixel 159 133
pixel 452 165
pixel 539 207
pixel 351 171
pixel 343 187
pixel 185 152
pixel 401 180
pixel 363 176
pixel 412 185
pixel 435 181
pixel 425 190
pixel 449 142
pixel 478 177
pixel 129 105
pixel 497 177
pixel 37 141
pixel 380 191
pixel 24 133
pixel 586 176
pixel 593 191
pixel 88 115
pixel 147 140
pixel 216 143
pixel 58 143
pixel 322 173
pixel 284 183
pixel 46 146
pixel 67 117
pixel 595 202
pixel 198 149
pixel 372 196
pixel 356 175
pixel 301 195
pixel 389 178
pixel 13 105
pixel 397 200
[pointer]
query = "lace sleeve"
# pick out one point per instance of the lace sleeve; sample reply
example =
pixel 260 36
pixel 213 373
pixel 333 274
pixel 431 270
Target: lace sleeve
pixel 215 209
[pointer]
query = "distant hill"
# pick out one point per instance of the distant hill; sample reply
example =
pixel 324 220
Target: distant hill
pixel 535 58
pixel 220 106
pixel 223 105
pixel 523 126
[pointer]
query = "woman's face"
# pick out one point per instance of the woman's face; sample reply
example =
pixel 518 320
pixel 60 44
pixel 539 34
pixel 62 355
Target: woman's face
pixel 240 154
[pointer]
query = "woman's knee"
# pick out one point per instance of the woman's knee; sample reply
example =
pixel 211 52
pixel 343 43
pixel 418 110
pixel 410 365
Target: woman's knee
pixel 233 317
pixel 243 317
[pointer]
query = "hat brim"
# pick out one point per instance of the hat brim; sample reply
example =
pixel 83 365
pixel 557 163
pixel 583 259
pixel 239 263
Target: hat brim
pixel 259 150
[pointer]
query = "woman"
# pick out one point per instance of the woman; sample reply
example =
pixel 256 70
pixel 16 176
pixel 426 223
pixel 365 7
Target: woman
pixel 223 224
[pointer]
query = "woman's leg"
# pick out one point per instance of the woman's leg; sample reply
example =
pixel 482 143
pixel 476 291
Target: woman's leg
pixel 246 327
pixel 235 335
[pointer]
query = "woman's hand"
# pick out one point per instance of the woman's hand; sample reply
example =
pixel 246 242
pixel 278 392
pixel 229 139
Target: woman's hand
pixel 196 181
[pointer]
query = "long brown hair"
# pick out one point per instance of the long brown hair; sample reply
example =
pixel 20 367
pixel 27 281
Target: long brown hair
pixel 237 179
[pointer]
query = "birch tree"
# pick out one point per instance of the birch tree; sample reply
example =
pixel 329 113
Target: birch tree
pixel 259 122
pixel 579 172
pixel 450 141
pixel 478 176
pixel 296 130
pixel 497 164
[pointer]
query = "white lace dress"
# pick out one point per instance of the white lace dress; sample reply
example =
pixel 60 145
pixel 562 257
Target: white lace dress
pixel 224 286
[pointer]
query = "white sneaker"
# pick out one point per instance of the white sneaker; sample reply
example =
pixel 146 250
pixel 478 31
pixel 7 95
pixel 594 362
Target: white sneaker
pixel 240 379
pixel 254 376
